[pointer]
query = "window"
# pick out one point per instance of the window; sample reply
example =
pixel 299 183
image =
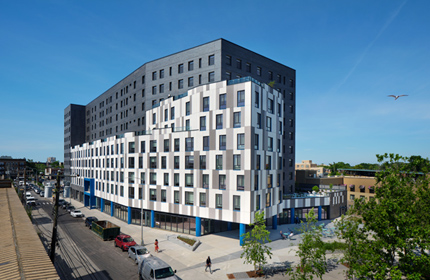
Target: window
pixel 176 162
pixel 143 80
pixel 222 142
pixel 161 73
pixel 269 181
pixel 161 88
pixel 268 123
pixel 202 162
pixel 152 162
pixel 236 162
pixel 248 67
pixel 121 190
pixel 211 59
pixel 176 145
pixel 131 162
pixel 228 75
pixel 180 84
pixel 202 200
pixel 153 178
pixel 236 119
pixel 222 101
pixel 189 198
pixel 256 182
pixel 176 197
pixel 154 118
pixel 270 144
pixel 202 123
pixel 241 141
pixel 257 99
pixel 258 71
pixel 258 120
pixel 153 194
pixel 268 162
pixel 153 146
pixel 130 192
pixel 238 64
pixel 189 144
pixel 180 68
pixel 240 98
pixel 219 121
pixel 189 178
pixel 142 178
pixel 218 162
pixel 163 162
pixel 176 179
pixel 205 104
pixel 205 143
pixel 172 113
pixel 131 147
pixel 228 60
pixel 257 203
pixel 166 145
pixel 268 199
pixel 218 201
pixel 189 162
pixel 211 77
pixel 256 142
pixel 257 162
pixel 187 109
pixel 154 90
pixel 270 106
pixel 166 179
pixel 163 195
pixel 154 75
pixel 200 79
pixel 190 65
pixel 236 203
pixel 351 197
pixel 131 177
pixel 240 182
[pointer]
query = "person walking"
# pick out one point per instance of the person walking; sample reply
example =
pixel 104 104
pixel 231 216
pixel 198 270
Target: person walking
pixel 208 264
pixel 156 245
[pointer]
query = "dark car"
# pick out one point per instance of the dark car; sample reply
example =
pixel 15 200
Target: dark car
pixel 89 221
pixel 65 204
pixel 70 208
pixel 124 241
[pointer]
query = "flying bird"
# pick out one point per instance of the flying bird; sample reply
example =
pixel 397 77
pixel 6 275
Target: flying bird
pixel 397 96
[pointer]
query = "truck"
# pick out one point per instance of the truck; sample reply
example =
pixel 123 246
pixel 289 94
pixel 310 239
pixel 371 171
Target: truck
pixel 105 229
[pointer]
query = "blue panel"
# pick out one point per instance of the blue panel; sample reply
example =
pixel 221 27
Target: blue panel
pixel 111 208
pixel 275 222
pixel 242 230
pixel 198 226
pixel 152 218
pixel 292 216
pixel 102 205
pixel 129 215
pixel 319 212
pixel 229 226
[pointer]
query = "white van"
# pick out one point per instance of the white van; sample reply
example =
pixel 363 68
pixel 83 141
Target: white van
pixel 153 268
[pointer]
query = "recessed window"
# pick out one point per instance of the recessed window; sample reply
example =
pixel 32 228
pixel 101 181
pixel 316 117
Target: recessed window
pixel 240 98
pixel 202 162
pixel 222 182
pixel 172 113
pixel 258 120
pixel 164 195
pixel 268 123
pixel 205 104
pixel 218 201
pixel 268 199
pixel 270 144
pixel 203 199
pixel 228 59
pixel 236 203
pixel 189 162
pixel 152 162
pixel 176 162
pixel 189 178
pixel 161 88
pixel 154 75
pixel 218 163
pixel 153 194
pixel 154 90
pixel 238 64
pixel 222 142
pixel 190 65
pixel 153 178
pixel 187 109
pixel 163 162
pixel 176 197
pixel 180 68
pixel 211 77
pixel 177 148
pixel 258 71
pixel 161 73
pixel 256 142
pixel 219 121
pixel 228 75
pixel 180 84
pixel 222 101
pixel 237 119
pixel 189 198
pixel 189 144
pixel 202 123
pixel 190 81
pixel 205 143
pixel 257 162
pixel 236 162
pixel 176 179
pixel 241 141
pixel 153 146
pixel 211 59
pixel 248 67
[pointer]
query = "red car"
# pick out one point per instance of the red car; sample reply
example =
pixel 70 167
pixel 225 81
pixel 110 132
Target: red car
pixel 124 241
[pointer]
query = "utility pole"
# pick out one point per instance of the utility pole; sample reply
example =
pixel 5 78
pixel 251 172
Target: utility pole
pixel 54 227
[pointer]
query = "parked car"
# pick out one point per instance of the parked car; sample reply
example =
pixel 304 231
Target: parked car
pixel 138 253
pixel 154 268
pixel 76 213
pixel 27 194
pixel 37 190
pixel 65 204
pixel 31 201
pixel 70 208
pixel 42 193
pixel 89 221
pixel 124 241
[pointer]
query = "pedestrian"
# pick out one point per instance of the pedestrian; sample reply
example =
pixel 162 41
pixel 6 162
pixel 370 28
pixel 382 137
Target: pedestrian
pixel 156 245
pixel 208 264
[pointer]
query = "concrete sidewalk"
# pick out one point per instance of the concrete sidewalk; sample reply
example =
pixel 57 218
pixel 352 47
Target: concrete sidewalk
pixel 223 248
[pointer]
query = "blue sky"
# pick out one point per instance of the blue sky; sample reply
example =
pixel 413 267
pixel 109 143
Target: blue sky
pixel 348 56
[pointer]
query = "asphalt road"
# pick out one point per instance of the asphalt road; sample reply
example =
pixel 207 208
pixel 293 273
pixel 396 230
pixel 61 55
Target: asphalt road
pixel 93 257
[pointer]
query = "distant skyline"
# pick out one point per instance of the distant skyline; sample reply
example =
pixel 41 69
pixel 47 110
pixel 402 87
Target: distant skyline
pixel 348 56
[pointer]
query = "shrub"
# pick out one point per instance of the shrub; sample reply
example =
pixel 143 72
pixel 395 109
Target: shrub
pixel 315 188
pixel 189 241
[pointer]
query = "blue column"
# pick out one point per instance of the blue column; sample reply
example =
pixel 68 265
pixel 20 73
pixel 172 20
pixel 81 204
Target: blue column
pixel 152 218
pixel 111 209
pixel 129 215
pixel 242 230
pixel 102 205
pixel 275 222
pixel 228 225
pixel 292 216
pixel 198 226
pixel 319 212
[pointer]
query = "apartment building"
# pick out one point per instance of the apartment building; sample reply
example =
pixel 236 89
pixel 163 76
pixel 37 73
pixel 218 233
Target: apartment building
pixel 206 162
pixel 122 108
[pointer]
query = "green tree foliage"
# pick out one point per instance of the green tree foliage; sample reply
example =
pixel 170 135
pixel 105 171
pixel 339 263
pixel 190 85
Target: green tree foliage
pixel 254 248
pixel 388 235
pixel 315 188
pixel 311 251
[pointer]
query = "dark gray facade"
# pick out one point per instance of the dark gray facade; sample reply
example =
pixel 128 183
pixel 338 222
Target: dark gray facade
pixel 122 108
pixel 74 132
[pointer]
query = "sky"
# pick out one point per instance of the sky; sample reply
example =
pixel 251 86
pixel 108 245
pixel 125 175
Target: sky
pixel 348 56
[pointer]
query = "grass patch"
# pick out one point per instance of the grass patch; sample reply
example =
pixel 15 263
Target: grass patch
pixel 332 246
pixel 189 241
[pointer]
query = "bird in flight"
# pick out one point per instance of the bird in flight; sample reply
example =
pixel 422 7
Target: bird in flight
pixel 397 96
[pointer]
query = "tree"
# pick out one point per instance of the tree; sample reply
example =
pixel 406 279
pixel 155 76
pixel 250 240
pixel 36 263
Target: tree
pixel 311 251
pixel 254 247
pixel 388 235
